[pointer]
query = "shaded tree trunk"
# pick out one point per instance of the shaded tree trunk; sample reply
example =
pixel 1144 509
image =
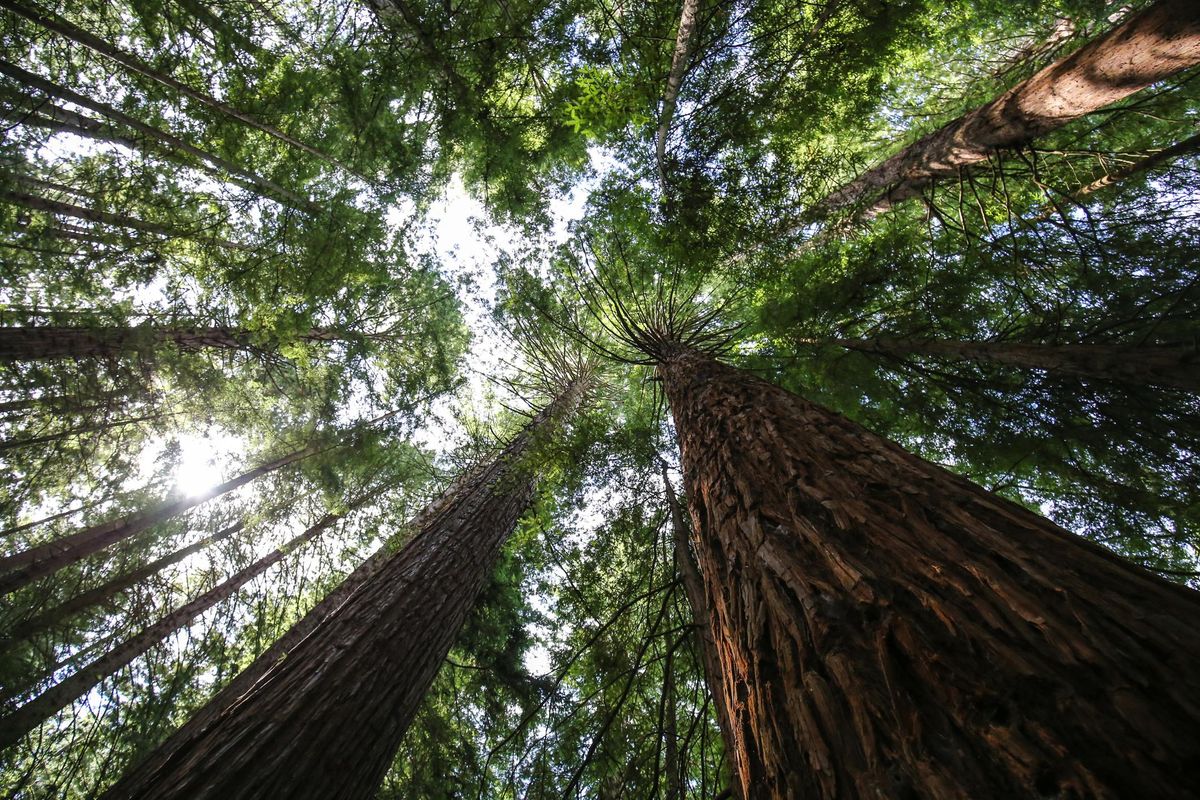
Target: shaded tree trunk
pixel 40 708
pixel 1175 365
pixel 59 208
pixel 63 27
pixel 278 650
pixel 21 569
pixel 326 718
pixel 38 343
pixel 82 430
pixel 53 117
pixel 693 587
pixel 62 404
pixel 888 629
pixel 1153 45
pixel 106 592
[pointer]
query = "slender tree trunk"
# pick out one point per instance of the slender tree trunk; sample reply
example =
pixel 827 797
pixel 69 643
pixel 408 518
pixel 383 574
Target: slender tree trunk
pixel 1153 45
pixel 888 629
pixel 39 343
pixel 61 26
pixel 1155 159
pixel 40 708
pixel 96 427
pixel 59 208
pixel 21 569
pixel 1174 365
pixel 693 587
pixel 62 404
pixel 106 592
pixel 49 115
pixel 326 720
pixel 679 64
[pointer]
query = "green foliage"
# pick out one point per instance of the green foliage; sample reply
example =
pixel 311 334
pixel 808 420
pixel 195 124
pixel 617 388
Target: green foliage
pixel 134 208
pixel 602 105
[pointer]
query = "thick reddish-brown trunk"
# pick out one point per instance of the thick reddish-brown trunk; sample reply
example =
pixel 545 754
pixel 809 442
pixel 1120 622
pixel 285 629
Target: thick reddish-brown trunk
pixel 888 629
pixel 1176 365
pixel 39 709
pixel 325 718
pixel 21 569
pixel 1153 45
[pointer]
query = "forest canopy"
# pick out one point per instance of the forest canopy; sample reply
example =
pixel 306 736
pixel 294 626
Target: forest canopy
pixel 583 399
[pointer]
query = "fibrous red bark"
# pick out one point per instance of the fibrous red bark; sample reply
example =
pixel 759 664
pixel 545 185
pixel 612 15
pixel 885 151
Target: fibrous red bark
pixel 324 719
pixel 1153 45
pixel 888 629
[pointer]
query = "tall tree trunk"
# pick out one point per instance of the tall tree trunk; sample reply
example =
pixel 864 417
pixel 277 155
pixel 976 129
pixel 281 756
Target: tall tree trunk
pixel 106 592
pixel 21 569
pixel 59 208
pixel 278 650
pixel 95 427
pixel 62 404
pixel 325 719
pixel 1175 365
pixel 888 629
pixel 38 343
pixel 679 63
pixel 49 115
pixel 693 587
pixel 1153 45
pixel 61 26
pixel 40 708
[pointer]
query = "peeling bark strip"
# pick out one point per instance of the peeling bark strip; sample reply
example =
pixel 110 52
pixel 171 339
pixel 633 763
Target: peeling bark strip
pixel 693 587
pixel 1174 365
pixel 325 719
pixel 888 629
pixel 29 716
pixel 1155 44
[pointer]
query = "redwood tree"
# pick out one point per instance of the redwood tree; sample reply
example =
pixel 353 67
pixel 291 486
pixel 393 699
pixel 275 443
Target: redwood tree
pixel 888 629
pixel 1153 45
pixel 325 718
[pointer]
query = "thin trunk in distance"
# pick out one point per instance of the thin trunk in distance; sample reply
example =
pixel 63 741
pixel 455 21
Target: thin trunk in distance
pixel 39 709
pixel 21 569
pixel 1176 365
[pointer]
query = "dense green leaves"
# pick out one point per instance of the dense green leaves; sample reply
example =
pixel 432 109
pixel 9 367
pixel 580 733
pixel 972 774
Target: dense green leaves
pixel 275 169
